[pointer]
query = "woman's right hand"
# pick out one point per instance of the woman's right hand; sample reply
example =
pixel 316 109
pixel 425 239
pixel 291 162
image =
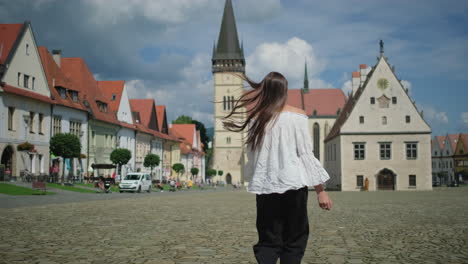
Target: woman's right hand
pixel 324 201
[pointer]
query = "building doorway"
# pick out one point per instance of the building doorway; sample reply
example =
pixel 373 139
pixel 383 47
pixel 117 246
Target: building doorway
pixel 386 180
pixel 7 162
pixel 228 178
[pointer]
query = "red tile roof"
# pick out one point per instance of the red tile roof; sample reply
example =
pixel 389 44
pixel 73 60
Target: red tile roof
pixel 8 35
pixel 322 102
pixel 83 80
pixel 187 131
pixel 25 93
pixel 147 110
pixel 363 66
pixel 356 74
pixel 453 140
pixel 56 77
pixel 440 141
pixel 464 138
pixel 111 88
pixel 162 118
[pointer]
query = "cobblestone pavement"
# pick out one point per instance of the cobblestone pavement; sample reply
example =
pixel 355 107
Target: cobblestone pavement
pixel 219 227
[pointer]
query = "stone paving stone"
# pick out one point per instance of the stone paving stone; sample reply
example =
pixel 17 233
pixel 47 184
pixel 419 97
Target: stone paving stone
pixel 219 227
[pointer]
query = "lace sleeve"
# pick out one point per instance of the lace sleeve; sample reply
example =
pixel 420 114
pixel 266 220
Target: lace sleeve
pixel 305 152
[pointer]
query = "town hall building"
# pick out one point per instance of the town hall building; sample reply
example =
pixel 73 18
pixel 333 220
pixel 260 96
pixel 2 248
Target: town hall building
pixel 380 136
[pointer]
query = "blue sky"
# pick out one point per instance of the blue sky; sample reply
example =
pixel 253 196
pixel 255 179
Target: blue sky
pixel 163 48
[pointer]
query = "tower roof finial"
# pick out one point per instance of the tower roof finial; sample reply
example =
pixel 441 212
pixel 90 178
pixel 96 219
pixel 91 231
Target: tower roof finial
pixel 381 48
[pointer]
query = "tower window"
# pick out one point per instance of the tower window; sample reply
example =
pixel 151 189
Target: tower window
pixel 408 119
pixel 361 120
pixel 394 100
pixel 372 100
pixel 384 120
pixel 224 102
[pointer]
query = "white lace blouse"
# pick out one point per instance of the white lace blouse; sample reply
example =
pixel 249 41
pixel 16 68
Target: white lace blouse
pixel 285 160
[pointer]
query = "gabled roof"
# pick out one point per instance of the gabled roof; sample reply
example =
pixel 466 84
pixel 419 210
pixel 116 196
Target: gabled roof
pixel 187 131
pixel 354 98
pixel 83 80
pixel 453 138
pixel 147 110
pixel 162 118
pixel 440 141
pixel 111 88
pixel 9 36
pixel 55 77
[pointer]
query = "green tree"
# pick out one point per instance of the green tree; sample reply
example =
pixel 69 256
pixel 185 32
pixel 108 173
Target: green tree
pixel 210 172
pixel 199 126
pixel 120 156
pixel 67 146
pixel 178 168
pixel 194 171
pixel 151 161
pixel 220 173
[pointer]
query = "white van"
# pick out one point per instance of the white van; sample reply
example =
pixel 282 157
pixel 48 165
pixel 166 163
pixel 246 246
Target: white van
pixel 136 182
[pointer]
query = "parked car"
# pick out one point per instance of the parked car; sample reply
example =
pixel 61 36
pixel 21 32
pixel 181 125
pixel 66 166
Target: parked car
pixel 136 182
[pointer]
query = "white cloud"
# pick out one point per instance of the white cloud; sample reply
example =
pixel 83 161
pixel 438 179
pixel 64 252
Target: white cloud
pixel 287 58
pixel 160 11
pixel 407 85
pixel 347 87
pixel 464 119
pixel 433 116
pixel 192 95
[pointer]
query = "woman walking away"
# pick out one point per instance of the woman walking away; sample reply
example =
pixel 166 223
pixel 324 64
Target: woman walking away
pixel 282 166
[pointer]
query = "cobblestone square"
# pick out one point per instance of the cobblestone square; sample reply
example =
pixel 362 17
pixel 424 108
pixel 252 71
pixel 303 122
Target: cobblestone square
pixel 219 227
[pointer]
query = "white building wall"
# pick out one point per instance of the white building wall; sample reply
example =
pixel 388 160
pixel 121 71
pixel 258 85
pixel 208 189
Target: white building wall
pixel 157 148
pixel 333 161
pixel 372 164
pixel 124 113
pixel 21 133
pixel 27 61
pixel 126 139
pixel 69 114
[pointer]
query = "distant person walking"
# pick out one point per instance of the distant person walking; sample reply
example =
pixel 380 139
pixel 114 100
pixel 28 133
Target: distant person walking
pixel 282 166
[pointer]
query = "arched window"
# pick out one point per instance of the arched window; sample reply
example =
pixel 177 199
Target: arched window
pixel 384 120
pixel 232 102
pixel 327 129
pixel 317 141
pixel 224 102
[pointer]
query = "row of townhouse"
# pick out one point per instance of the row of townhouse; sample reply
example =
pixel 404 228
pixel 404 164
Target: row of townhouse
pixel 449 158
pixel 43 94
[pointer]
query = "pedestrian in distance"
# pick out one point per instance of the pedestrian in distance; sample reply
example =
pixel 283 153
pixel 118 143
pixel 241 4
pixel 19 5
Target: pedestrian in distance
pixel 281 165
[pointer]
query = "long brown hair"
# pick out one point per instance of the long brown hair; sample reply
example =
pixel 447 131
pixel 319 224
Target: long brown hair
pixel 263 104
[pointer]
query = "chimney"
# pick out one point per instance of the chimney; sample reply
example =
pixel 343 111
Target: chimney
pixel 356 81
pixel 363 68
pixel 57 55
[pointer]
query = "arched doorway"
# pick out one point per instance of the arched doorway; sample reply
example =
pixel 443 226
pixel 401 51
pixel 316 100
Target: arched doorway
pixel 386 180
pixel 7 161
pixel 228 178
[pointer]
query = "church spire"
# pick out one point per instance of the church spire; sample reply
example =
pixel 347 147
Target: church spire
pixel 306 77
pixel 228 55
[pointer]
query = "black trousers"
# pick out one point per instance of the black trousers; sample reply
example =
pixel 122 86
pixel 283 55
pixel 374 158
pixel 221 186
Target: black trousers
pixel 283 227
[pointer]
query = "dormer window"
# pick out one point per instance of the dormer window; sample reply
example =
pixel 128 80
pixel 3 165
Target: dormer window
pixel 114 97
pixel 63 92
pixel 136 117
pixel 74 96
pixel 102 106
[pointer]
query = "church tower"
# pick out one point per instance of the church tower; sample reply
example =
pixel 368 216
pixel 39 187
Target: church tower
pixel 228 64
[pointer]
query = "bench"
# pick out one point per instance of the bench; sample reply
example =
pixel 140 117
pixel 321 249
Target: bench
pixel 39 186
